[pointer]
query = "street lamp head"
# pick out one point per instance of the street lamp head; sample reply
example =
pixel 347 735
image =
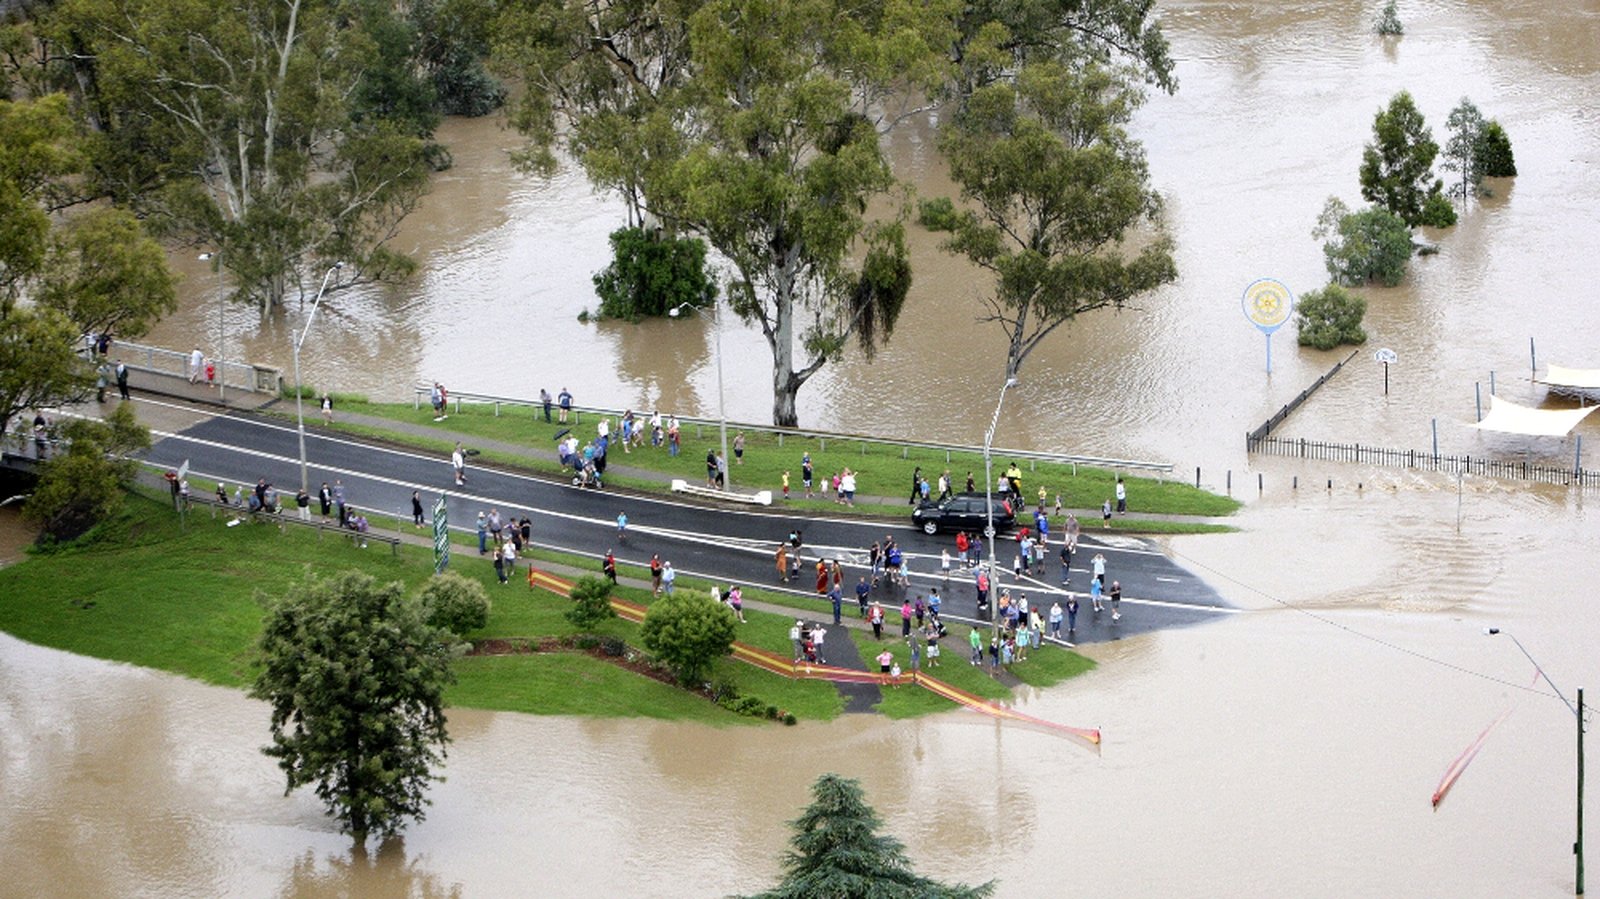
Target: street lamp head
pixel 1011 382
pixel 205 257
pixel 338 265
pixel 673 312
pixel 1490 631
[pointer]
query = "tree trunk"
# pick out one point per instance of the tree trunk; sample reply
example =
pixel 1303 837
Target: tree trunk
pixel 784 389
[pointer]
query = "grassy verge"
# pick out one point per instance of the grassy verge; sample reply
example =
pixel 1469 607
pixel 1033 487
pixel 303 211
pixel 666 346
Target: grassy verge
pixel 1046 666
pixel 149 592
pixel 882 469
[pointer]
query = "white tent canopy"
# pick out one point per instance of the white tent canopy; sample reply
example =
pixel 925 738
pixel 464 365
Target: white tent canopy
pixel 1572 378
pixel 1509 418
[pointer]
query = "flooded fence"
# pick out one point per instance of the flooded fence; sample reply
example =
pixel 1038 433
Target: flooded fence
pixel 1326 451
pixel 1281 415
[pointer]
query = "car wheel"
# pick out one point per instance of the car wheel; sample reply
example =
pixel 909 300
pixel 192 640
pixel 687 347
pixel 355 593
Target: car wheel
pixel 930 528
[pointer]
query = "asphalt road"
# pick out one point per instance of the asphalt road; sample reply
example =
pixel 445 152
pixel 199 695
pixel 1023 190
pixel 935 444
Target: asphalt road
pixel 725 544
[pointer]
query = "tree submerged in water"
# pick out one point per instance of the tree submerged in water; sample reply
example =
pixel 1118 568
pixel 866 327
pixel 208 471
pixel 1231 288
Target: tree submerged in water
pixel 839 854
pixel 1329 317
pixel 1389 21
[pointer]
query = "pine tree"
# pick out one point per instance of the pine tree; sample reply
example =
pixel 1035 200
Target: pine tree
pixel 839 854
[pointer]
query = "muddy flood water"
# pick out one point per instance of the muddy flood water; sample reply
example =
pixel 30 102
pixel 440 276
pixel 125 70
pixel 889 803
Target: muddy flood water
pixel 1289 750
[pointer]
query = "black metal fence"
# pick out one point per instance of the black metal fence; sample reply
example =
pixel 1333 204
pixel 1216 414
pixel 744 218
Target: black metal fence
pixel 1278 417
pixel 1397 458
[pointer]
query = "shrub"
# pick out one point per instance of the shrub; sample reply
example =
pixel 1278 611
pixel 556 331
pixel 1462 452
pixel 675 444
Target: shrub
pixel 591 602
pixel 788 718
pixel 1370 245
pixel 457 604
pixel 1494 152
pixel 613 647
pixel 1329 317
pixel 1388 23
pixel 1437 212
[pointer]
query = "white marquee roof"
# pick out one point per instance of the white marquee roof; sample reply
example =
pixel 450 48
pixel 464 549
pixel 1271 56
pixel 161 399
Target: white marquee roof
pixel 1509 418
pixel 1579 378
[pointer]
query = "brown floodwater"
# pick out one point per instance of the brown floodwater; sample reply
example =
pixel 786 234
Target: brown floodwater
pixel 1290 750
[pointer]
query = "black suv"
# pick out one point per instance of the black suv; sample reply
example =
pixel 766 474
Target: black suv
pixel 961 512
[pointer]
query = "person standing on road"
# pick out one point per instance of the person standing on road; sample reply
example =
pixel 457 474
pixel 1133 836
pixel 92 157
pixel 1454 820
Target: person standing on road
pixel 1122 497
pixel 962 545
pixel 416 508
pixel 1072 613
pixel 944 563
pixel 1099 568
pixel 1073 528
pixel 622 527
pixel 325 499
pixel 822 576
pixel 1094 595
pixel 1055 621
pixel 458 461
pixel 122 379
pixel 1066 563
pixel 1116 600
pixel 782 557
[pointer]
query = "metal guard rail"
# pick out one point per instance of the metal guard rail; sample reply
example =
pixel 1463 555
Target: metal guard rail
pixel 422 390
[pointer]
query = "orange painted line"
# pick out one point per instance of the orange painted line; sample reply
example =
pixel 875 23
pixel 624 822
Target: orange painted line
pixel 768 660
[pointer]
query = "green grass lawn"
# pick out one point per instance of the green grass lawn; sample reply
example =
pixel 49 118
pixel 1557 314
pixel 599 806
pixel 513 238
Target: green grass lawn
pixel 882 469
pixel 1045 666
pixel 152 593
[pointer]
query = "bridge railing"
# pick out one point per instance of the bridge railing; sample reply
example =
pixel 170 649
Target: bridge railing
pixel 515 405
pixel 232 374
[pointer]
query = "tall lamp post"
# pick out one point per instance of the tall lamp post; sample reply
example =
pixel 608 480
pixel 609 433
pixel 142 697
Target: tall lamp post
pixel 1577 714
pixel 299 402
pixel 988 499
pixel 722 414
pixel 222 364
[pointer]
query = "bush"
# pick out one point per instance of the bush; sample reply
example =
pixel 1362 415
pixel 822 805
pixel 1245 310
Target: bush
pixel 591 602
pixel 1494 152
pixel 688 632
pixel 613 647
pixel 1388 23
pixel 650 273
pixel 1437 212
pixel 459 605
pixel 1329 317
pixel 788 718
pixel 85 485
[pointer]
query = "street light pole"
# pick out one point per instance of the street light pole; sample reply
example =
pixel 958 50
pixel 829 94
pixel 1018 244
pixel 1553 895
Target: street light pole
pixel 222 334
pixel 988 502
pixel 299 402
pixel 722 414
pixel 1577 714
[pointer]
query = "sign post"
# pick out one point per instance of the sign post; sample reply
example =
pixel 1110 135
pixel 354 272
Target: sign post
pixel 1386 356
pixel 1268 305
pixel 441 537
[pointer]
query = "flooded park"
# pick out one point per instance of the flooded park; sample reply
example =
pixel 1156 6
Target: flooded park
pixel 1290 749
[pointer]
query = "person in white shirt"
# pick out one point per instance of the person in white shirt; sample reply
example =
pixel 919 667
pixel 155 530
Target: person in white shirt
pixel 197 365
pixel 458 461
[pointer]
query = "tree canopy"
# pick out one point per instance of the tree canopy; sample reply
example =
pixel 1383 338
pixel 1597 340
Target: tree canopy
pixel 1371 244
pixel 86 484
pixel 688 631
pixel 355 679
pixel 288 133
pixel 838 853
pixel 1057 203
pixel 1397 166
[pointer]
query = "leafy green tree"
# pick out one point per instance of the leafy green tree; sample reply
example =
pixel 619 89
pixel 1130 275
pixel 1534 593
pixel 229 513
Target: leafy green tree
pixel 355 677
pixel 37 365
pixel 1461 149
pixel 1494 152
pixel 1388 23
pixel 1053 190
pixel 1329 317
pixel 838 853
pixel 454 42
pixel 687 632
pixel 86 485
pixel 591 602
pixel 106 274
pixel 1397 167
pixel 1372 244
pixel 251 131
pixel 454 603
pixel 36 154
pixel 652 272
